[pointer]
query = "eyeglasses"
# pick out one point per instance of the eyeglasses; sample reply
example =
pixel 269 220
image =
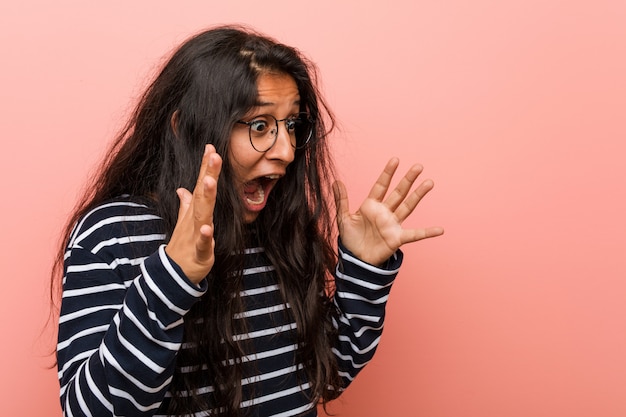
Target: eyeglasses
pixel 263 130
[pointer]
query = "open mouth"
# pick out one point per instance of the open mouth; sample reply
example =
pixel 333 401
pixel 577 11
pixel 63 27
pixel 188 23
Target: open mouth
pixel 255 192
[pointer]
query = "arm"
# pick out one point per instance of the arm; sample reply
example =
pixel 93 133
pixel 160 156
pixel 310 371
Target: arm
pixel 119 334
pixel 117 346
pixel 369 260
pixel 361 297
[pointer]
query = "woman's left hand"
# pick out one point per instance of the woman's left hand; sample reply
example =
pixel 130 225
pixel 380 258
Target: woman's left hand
pixel 374 232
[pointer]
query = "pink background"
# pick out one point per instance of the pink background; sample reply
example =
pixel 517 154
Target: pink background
pixel 516 109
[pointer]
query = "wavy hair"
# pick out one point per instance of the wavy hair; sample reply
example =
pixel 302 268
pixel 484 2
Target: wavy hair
pixel 209 83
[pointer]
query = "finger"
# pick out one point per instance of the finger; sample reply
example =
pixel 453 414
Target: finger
pixel 413 235
pixel 205 243
pixel 380 187
pixel 214 165
pixel 205 192
pixel 204 207
pixel 341 201
pixel 208 150
pixel 404 186
pixel 208 182
pixel 209 195
pixel 408 205
pixel 207 166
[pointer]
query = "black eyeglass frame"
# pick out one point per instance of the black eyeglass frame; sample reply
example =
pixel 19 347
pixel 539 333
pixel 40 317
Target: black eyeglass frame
pixel 303 116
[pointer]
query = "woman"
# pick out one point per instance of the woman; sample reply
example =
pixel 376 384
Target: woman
pixel 228 299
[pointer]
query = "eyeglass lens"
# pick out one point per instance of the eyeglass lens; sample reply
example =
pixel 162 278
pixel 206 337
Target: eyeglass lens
pixel 264 130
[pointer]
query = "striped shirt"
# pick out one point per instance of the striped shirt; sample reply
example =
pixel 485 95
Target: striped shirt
pixel 124 302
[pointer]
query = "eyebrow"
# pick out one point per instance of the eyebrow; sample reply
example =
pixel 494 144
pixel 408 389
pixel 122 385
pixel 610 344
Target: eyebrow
pixel 270 103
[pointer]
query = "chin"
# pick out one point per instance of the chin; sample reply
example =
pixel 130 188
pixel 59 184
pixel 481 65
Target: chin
pixel 250 217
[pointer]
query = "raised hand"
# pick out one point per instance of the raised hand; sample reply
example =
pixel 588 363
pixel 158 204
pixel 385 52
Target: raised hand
pixel 374 232
pixel 192 243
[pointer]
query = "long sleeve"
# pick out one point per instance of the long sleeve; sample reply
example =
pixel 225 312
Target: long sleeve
pixel 361 296
pixel 122 312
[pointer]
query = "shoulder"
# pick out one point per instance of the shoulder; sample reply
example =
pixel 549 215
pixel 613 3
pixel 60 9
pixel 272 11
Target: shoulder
pixel 125 217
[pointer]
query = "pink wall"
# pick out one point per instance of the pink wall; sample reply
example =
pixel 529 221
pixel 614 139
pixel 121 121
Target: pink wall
pixel 517 110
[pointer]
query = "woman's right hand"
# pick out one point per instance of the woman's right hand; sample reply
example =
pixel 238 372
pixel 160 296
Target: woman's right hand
pixel 192 243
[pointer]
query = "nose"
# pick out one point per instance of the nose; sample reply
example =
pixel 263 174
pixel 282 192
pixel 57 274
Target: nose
pixel 283 149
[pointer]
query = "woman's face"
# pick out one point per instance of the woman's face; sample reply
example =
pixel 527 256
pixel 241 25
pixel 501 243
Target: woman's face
pixel 256 173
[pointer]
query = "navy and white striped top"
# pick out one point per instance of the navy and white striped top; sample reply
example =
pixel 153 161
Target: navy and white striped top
pixel 122 312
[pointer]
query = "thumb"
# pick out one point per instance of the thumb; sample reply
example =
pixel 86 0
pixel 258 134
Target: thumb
pixel 185 198
pixel 341 200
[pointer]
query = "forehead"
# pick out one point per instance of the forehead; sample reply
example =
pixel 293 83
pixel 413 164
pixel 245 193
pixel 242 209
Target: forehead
pixel 277 89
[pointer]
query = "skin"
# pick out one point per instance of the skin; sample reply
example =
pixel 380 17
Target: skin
pixel 277 95
pixel 372 233
pixel 191 245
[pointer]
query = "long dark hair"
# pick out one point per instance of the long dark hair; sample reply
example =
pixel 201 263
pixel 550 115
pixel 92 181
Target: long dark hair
pixel 210 83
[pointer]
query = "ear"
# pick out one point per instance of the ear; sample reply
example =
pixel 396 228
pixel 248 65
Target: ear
pixel 174 122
